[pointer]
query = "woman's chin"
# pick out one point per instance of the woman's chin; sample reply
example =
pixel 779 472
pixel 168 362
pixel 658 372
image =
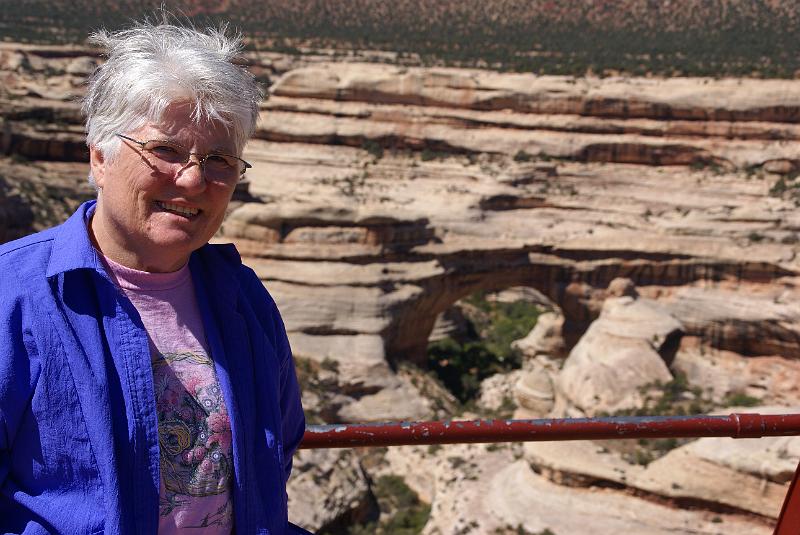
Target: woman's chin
pixel 174 244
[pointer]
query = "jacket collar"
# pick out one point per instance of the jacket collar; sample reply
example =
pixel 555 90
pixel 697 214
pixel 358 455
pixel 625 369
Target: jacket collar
pixel 216 267
pixel 72 248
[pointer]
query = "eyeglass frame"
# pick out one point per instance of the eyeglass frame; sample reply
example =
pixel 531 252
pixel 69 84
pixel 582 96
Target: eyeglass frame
pixel 201 158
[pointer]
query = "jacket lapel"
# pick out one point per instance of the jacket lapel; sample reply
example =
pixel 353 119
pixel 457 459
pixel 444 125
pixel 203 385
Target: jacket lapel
pixel 108 358
pixel 217 289
pixel 85 357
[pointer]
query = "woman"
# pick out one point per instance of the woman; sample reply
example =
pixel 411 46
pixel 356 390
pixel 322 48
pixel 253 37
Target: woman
pixel 146 382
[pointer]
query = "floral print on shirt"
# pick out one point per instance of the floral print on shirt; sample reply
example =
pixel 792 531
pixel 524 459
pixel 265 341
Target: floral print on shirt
pixel 194 434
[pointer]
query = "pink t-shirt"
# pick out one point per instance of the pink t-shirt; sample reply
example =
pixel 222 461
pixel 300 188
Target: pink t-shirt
pixel 194 430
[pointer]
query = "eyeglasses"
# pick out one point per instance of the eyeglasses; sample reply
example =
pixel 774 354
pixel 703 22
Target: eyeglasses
pixel 169 156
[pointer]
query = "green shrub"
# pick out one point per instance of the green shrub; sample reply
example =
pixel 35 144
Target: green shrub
pixel 779 187
pixel 522 156
pixel 427 155
pixel 740 399
pixel 462 366
pixel 373 147
pixel 401 511
pixel 673 398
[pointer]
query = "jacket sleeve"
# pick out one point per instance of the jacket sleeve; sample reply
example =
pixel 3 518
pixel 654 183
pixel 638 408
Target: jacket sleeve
pixel 294 423
pixel 292 418
pixel 19 368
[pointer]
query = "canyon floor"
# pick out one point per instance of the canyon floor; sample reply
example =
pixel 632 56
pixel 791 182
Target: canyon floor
pixel 653 221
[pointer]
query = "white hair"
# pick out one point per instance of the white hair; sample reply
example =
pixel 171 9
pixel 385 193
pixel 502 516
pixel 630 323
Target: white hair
pixel 152 66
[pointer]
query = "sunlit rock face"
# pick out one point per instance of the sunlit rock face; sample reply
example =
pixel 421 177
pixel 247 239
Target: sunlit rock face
pixel 657 220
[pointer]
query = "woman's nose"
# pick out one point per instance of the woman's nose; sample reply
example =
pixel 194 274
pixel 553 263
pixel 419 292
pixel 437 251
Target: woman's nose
pixel 190 176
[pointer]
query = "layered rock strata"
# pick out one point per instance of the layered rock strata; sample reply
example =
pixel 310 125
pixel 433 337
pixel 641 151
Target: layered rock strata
pixel 382 195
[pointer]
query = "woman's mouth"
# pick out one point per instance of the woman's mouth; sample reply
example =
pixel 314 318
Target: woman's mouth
pixel 177 209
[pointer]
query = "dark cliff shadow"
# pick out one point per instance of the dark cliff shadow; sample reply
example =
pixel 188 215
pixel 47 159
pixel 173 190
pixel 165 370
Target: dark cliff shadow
pixel 16 215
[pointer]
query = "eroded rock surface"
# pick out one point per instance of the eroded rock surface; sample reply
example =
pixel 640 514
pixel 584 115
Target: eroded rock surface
pixel 488 489
pixel 738 476
pixel 405 191
pixel 328 489
pixel 624 351
pixel 658 218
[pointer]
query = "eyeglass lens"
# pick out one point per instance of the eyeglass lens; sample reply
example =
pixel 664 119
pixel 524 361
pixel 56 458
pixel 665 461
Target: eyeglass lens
pixel 215 166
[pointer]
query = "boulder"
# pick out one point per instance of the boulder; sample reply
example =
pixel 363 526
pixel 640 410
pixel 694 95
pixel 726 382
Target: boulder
pixel 619 356
pixel 683 475
pixel 622 287
pixel 489 489
pixel 749 475
pixel 497 392
pixel 328 489
pixel 770 458
pixel 581 463
pixel 359 360
pixel 534 391
pixel 780 167
pixel 419 466
pixel 545 338
pixel 401 402
pixel 517 496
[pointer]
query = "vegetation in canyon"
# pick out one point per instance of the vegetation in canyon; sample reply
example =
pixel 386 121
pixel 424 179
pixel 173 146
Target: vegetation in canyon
pixel 485 349
pixel 401 511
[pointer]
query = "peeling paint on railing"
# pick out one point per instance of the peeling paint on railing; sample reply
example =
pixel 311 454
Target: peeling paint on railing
pixel 737 425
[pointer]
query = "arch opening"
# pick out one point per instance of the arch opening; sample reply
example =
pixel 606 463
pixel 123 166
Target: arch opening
pixel 473 339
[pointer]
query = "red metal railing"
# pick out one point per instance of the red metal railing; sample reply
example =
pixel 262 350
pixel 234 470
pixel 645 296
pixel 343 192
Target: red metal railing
pixel 453 432
pixel 789 519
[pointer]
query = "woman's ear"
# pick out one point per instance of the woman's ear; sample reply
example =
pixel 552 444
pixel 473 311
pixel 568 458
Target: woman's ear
pixel 97 163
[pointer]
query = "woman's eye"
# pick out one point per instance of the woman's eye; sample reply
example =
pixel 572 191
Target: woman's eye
pixel 218 160
pixel 165 150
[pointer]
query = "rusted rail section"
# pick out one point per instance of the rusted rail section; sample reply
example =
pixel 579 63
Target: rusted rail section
pixel 454 432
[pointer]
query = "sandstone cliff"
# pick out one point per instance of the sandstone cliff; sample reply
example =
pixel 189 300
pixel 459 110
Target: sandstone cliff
pixel 657 219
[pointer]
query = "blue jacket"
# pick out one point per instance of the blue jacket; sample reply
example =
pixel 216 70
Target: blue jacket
pixel 78 433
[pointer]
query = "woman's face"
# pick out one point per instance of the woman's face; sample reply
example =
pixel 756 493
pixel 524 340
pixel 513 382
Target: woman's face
pixel 152 220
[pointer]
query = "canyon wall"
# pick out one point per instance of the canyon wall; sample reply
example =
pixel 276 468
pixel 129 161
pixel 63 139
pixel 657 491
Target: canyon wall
pixel 656 220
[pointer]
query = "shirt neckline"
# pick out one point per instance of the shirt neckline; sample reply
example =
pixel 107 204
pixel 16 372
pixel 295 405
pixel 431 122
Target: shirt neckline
pixel 145 281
